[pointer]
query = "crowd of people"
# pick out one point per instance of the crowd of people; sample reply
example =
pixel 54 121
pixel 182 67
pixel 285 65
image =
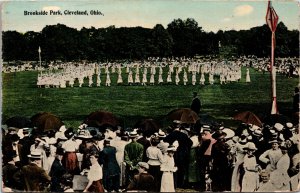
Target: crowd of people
pixel 194 156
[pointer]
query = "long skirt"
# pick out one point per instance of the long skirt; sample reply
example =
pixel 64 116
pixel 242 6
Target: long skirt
pixel 156 173
pixel 250 181
pixel 71 162
pixel 96 187
pixel 167 182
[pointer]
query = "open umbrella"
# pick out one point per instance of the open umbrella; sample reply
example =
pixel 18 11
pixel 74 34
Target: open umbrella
pixel 185 115
pixel 18 122
pixel 99 119
pixel 249 118
pixel 46 121
pixel 147 126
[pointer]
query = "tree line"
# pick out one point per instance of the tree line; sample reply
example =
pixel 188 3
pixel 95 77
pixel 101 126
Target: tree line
pixel 180 38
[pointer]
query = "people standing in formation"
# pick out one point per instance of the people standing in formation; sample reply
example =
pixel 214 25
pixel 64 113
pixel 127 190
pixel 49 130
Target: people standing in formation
pixel 177 71
pixel 202 157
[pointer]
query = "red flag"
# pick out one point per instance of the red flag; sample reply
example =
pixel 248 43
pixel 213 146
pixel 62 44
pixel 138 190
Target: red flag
pixel 271 17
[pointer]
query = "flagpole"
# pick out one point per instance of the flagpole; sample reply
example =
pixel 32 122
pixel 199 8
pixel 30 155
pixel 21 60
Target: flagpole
pixel 273 77
pixel 39 50
pixel 272 19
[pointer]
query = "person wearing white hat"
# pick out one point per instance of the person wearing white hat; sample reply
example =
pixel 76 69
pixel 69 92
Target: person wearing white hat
pixel 133 154
pixel 34 175
pixel 280 175
pixel 271 156
pixel 163 146
pixel 239 153
pixel 251 178
pixel 168 168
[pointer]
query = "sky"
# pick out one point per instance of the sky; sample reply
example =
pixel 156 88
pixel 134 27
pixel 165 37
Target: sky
pixel 210 15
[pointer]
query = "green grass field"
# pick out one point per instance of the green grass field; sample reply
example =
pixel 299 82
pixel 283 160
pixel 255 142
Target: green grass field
pixel 132 103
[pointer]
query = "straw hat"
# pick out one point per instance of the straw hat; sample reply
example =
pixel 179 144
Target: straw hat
pixel 250 146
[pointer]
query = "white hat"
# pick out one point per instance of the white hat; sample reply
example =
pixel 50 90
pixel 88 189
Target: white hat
pixel 278 126
pixel 161 133
pixel 144 165
pixel 251 146
pixel 255 127
pixel 229 133
pixel 35 154
pixel 289 125
pixel 62 128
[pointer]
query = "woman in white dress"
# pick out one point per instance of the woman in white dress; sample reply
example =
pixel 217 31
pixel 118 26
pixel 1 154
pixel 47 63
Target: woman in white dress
pixel 250 180
pixel 185 78
pixel 108 81
pixel 193 78
pixel 168 168
pixel 177 79
pixel 202 79
pixel 144 80
pixel 169 78
pixel 211 78
pixel 248 75
pixel 120 80
pixel 160 79
pixel 130 78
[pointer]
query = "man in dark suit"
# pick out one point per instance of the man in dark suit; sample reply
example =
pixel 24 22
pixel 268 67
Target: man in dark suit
pixel 196 103
pixel 57 171
pixel 35 177
pixel 181 157
pixel 111 168
pixel 9 169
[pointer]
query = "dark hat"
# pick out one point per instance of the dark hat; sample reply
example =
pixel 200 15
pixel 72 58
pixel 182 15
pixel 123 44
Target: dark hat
pixel 60 151
pixel 106 141
pixel 218 134
pixel 15 137
pixel 69 133
pixel 10 155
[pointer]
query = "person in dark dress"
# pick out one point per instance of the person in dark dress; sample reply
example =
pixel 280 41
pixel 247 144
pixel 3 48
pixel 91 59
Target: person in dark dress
pixel 220 169
pixel 57 171
pixel 111 168
pixel 196 103
pixel 181 156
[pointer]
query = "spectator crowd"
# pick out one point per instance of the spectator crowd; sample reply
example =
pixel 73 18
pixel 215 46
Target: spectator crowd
pixel 182 156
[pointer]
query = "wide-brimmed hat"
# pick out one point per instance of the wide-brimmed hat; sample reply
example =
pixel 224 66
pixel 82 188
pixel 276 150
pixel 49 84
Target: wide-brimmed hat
pixel 69 133
pixel 229 133
pixel 250 146
pixel 143 165
pixel 257 133
pixel 161 134
pixel 35 155
pixel 133 134
pixel 274 141
pixel 205 128
pixel 84 134
pixel 278 127
pixel 218 134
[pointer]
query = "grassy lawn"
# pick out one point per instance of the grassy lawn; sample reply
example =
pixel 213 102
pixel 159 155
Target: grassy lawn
pixel 132 103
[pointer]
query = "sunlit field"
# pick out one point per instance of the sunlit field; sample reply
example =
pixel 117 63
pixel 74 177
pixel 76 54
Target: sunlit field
pixel 132 103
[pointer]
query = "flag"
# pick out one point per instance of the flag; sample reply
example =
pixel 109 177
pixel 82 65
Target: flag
pixel 271 17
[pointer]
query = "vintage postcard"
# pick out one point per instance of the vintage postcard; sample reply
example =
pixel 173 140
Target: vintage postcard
pixel 152 95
